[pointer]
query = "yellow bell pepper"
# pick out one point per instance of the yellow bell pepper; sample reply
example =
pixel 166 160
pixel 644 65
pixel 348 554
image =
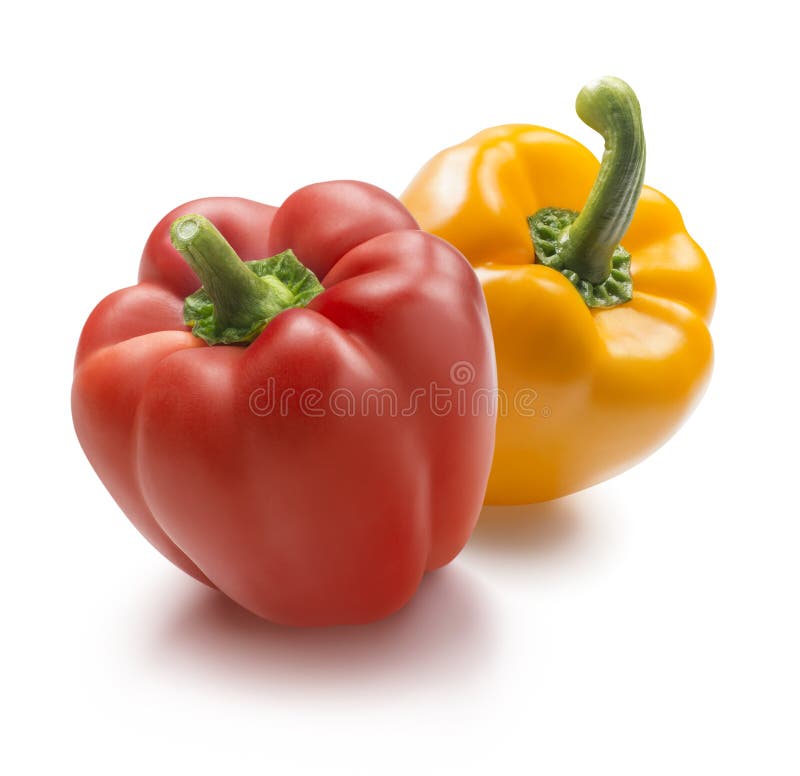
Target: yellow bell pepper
pixel 601 350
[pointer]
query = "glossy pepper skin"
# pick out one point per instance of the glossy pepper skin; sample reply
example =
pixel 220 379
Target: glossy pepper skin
pixel 601 387
pixel 302 518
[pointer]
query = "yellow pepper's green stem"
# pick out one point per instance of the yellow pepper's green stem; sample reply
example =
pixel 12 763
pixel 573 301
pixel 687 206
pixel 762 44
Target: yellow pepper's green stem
pixel 609 106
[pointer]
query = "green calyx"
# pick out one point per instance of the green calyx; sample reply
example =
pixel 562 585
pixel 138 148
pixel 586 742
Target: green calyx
pixel 546 226
pixel 238 299
pixel 585 247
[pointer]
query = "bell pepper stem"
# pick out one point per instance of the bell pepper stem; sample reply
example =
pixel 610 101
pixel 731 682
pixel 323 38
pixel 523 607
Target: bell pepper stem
pixel 610 107
pixel 239 296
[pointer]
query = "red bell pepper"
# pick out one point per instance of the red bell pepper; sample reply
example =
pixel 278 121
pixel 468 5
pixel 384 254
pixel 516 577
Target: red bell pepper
pixel 315 469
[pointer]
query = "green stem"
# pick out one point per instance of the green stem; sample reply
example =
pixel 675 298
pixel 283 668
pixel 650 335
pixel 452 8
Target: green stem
pixel 239 296
pixel 609 106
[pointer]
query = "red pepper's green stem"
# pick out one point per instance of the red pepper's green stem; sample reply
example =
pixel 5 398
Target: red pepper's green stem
pixel 240 297
pixel 609 106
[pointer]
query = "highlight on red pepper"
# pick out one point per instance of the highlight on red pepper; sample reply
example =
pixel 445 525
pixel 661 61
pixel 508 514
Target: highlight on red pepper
pixel 322 436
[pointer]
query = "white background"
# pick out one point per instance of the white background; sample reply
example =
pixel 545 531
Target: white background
pixel 646 626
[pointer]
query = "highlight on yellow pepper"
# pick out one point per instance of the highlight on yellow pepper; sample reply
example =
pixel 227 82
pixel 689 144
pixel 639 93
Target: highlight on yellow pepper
pixel 598 297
